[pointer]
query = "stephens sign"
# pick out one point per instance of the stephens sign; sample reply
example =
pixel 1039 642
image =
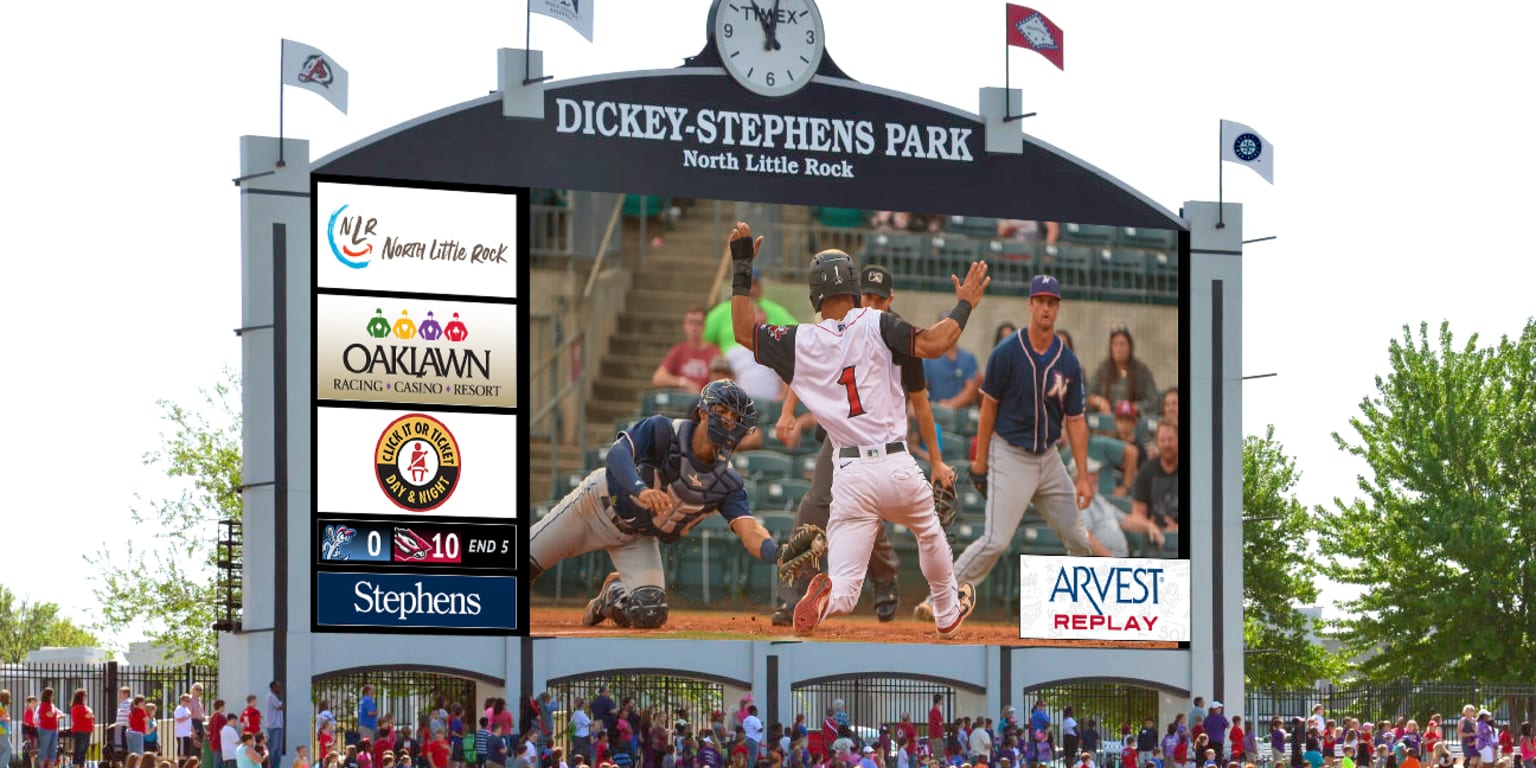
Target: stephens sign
pixel 757 142
pixel 1103 598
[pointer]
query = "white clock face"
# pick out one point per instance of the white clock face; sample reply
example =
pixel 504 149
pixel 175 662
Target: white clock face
pixel 773 47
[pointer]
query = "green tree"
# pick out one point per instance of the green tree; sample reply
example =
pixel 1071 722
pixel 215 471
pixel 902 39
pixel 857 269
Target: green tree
pixel 1278 574
pixel 169 589
pixel 28 626
pixel 1443 536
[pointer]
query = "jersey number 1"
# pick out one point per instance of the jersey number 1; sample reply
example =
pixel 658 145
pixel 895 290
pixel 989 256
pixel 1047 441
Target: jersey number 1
pixel 855 408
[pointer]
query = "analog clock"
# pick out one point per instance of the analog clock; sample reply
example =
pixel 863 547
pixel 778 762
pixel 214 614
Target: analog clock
pixel 771 47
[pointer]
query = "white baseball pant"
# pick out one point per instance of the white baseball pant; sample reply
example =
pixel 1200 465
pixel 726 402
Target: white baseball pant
pixel 866 491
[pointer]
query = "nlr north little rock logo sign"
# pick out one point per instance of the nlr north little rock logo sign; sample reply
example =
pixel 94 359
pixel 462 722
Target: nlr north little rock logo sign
pixel 352 239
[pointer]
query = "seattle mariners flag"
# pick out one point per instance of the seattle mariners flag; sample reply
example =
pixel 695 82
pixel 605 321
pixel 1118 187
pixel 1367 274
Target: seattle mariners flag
pixel 1029 28
pixel 308 67
pixel 1244 146
pixel 576 13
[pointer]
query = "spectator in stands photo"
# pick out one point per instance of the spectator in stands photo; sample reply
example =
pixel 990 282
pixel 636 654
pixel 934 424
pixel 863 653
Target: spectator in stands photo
pixel 1107 527
pixel 1170 404
pixel 82 723
pixel 1066 338
pixel 717 324
pixel 1155 491
pixel 686 365
pixel 1127 431
pixel 1122 376
pixel 1004 330
pixel 1025 231
pixel 954 378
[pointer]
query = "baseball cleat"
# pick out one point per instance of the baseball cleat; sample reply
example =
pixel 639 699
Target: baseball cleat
pixel 966 595
pixel 784 616
pixel 813 606
pixel 593 615
pixel 886 600
pixel 924 610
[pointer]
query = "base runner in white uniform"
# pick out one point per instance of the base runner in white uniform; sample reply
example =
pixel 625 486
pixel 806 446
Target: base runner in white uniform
pixel 846 371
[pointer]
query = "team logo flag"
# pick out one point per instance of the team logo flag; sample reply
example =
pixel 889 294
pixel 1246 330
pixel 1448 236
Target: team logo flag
pixel 307 67
pixel 575 13
pixel 1029 28
pixel 1244 146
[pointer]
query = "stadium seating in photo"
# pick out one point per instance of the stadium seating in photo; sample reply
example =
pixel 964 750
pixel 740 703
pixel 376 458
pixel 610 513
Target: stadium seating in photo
pixel 673 403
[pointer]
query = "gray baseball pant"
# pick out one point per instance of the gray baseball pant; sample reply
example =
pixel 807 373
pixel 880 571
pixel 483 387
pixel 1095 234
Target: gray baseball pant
pixel 1015 477
pixel 580 524
pixel 816 508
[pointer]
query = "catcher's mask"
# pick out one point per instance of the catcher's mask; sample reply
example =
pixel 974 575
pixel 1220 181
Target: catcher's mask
pixel 731 415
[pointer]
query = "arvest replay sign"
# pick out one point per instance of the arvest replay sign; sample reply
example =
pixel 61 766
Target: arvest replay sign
pixel 1103 598
pixel 757 142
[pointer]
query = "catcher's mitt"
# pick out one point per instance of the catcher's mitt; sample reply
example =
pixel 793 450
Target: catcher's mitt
pixel 945 504
pixel 804 549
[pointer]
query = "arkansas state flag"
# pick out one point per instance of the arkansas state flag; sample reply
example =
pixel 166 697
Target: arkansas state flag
pixel 1029 28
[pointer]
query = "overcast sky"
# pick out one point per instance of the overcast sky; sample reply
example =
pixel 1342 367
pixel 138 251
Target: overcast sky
pixel 1401 186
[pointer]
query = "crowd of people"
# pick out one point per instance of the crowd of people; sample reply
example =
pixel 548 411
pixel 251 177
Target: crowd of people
pixel 138 737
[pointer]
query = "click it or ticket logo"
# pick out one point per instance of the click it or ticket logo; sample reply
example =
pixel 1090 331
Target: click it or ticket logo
pixel 417 462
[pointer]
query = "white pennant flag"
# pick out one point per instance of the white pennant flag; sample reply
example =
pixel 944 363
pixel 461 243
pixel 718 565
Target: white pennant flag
pixel 308 67
pixel 576 13
pixel 1244 146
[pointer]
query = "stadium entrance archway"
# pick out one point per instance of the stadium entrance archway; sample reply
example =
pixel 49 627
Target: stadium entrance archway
pixel 876 700
pixel 668 692
pixel 407 692
pixel 1109 703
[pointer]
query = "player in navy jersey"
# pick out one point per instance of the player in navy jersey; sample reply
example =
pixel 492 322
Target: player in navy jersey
pixel 662 477
pixel 1032 391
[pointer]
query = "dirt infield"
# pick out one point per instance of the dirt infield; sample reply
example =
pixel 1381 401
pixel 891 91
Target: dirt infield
pixel 713 625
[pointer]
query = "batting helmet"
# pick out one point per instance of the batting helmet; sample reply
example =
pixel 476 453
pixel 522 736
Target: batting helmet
pixel 833 273
pixel 945 504
pixel 742 413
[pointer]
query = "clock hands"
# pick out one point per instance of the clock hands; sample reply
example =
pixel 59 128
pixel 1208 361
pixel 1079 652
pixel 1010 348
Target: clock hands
pixel 773 28
pixel 762 19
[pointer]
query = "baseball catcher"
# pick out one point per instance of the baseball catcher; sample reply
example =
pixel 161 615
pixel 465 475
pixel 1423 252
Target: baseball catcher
pixel 662 477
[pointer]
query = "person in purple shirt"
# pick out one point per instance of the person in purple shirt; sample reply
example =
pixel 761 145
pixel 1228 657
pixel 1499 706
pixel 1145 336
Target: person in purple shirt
pixel 603 709
pixel 709 757
pixel 1216 725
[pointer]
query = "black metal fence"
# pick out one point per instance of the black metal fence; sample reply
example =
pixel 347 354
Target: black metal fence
pixel 161 686
pixel 407 695
pixel 874 701
pixel 1374 701
pixel 665 694
pixel 1104 707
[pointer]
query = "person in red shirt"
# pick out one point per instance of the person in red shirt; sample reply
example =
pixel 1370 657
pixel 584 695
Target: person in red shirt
pixel 250 719
pixel 686 365
pixel 48 730
pixel 1235 739
pixel 138 725
pixel 82 723
pixel 437 750
pixel 936 726
pixel 384 745
pixel 216 723
pixel 905 730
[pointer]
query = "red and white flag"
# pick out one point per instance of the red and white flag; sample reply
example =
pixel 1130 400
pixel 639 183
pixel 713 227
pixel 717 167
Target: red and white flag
pixel 307 67
pixel 1029 28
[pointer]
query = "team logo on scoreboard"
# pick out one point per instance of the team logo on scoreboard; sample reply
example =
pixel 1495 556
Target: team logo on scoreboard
pixel 337 537
pixel 417 462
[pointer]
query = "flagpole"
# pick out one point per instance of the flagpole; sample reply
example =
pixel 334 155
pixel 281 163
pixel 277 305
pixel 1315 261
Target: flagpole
pixel 528 79
pixel 281 91
pixel 1221 213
